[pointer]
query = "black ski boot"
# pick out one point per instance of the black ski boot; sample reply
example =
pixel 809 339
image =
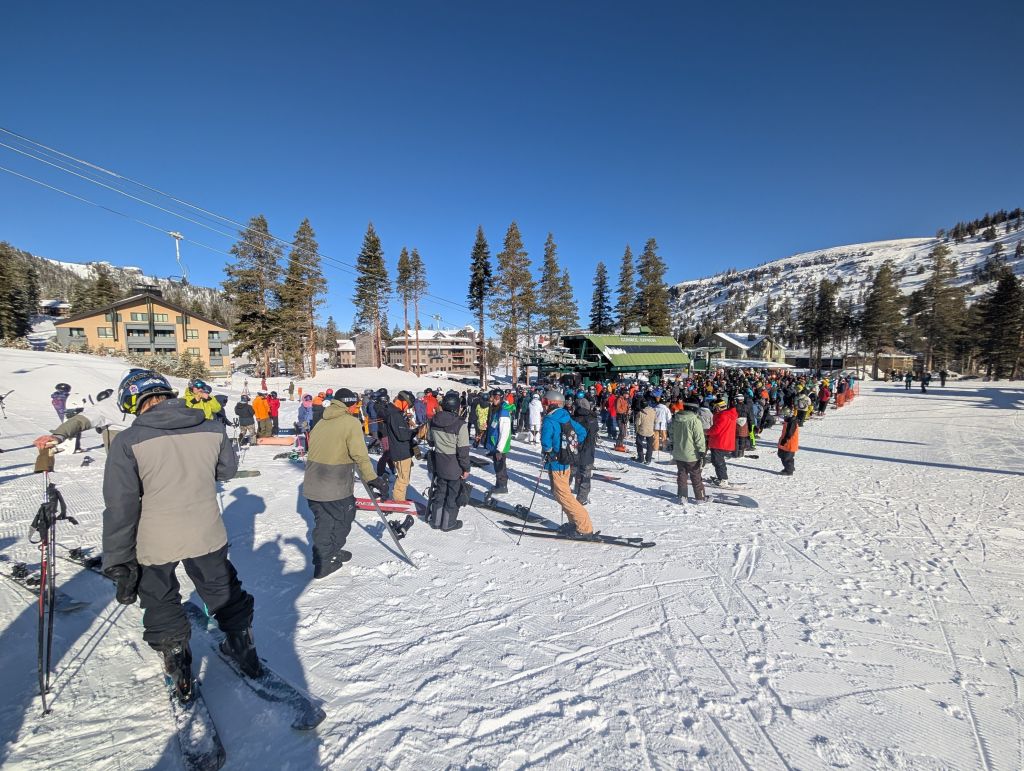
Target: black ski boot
pixel 177 658
pixel 323 568
pixel 451 521
pixel 240 647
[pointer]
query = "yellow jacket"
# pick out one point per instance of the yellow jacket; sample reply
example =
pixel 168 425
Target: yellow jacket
pixel 208 405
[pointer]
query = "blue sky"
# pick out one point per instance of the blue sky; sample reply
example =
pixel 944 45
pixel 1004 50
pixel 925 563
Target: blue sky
pixel 734 133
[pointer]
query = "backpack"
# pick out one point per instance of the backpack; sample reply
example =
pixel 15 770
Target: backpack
pixel 570 449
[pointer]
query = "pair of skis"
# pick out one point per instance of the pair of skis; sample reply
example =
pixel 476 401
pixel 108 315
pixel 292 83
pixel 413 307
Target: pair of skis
pixel 538 531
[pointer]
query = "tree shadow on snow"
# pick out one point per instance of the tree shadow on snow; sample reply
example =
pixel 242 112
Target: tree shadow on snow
pixel 931 464
pixel 996 398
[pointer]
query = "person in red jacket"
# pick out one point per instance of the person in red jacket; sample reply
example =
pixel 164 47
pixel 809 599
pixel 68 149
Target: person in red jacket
pixel 722 440
pixel 613 426
pixel 275 407
pixel 823 398
pixel 431 401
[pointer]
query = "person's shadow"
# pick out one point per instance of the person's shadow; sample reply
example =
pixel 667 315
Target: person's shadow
pixel 267 572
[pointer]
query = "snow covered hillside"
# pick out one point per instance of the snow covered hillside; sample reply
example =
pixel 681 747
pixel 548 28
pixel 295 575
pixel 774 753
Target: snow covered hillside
pixel 865 615
pixel 739 298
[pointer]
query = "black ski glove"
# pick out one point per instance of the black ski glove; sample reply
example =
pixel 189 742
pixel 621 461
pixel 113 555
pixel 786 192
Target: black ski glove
pixel 380 485
pixel 127 579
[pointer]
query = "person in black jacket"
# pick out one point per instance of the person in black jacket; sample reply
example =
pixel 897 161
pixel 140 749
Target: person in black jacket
pixel 246 421
pixel 449 439
pixel 584 468
pixel 400 438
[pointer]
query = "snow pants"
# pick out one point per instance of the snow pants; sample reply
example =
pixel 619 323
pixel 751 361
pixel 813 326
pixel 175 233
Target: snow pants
pixel 216 582
pixel 265 427
pixel 580 478
pixel 788 462
pixel 644 448
pixel 444 501
pixel 332 524
pixel 403 468
pixel 718 461
pixel 500 471
pixel 573 509
pixel 689 471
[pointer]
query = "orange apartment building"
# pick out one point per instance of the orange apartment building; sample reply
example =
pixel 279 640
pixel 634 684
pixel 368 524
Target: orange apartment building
pixel 147 323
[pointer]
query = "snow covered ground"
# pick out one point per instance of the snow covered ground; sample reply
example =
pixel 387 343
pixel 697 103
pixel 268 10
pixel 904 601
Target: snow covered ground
pixel 864 616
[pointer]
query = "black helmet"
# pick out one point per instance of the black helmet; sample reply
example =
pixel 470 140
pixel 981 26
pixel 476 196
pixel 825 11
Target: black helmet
pixel 274 394
pixel 407 397
pixel 63 387
pixel 244 398
pixel 496 392
pixel 451 402
pixel 137 386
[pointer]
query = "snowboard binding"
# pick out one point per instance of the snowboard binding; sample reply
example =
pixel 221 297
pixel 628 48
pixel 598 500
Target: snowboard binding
pixel 401 528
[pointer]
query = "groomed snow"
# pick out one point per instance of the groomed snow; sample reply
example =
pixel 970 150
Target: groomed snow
pixel 865 616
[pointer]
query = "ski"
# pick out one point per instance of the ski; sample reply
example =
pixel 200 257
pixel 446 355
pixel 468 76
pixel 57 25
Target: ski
pixel 517 510
pixel 246 473
pixel 606 478
pixel 29 583
pixel 606 540
pixel 306 714
pixel 714 481
pixel 540 529
pixel 200 744
pixel 79 556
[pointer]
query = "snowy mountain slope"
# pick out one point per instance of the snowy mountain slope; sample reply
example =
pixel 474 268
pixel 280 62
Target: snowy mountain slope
pixel 856 619
pixel 790 278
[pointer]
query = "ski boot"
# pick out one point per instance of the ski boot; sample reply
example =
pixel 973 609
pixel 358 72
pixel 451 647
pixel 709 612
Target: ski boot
pixel 323 568
pixel 177 658
pixel 568 529
pixel 450 521
pixel 240 647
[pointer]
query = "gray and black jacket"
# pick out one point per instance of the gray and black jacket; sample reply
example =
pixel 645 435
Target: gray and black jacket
pixel 449 437
pixel 160 487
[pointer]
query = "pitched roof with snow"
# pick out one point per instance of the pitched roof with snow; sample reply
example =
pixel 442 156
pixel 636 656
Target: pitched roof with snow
pixel 743 340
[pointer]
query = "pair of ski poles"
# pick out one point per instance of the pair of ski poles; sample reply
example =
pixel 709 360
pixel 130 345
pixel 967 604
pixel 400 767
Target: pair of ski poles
pixel 52 510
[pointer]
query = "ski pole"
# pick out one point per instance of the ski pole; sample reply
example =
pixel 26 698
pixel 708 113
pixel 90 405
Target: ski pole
pixel 530 507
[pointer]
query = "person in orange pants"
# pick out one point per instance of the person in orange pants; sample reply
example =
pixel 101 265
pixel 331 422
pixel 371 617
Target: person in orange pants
pixel 558 466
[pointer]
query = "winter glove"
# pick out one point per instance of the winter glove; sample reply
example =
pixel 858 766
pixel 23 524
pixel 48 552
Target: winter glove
pixel 380 485
pixel 126 577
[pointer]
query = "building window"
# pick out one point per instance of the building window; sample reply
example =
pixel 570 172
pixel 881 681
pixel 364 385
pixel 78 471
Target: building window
pixel 162 349
pixel 105 332
pixel 192 334
pixel 194 351
pixel 108 317
pixel 76 332
pixel 213 335
pixel 140 317
pixel 159 317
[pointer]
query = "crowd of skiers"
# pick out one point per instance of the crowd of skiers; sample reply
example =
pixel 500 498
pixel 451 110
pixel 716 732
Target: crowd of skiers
pixel 162 469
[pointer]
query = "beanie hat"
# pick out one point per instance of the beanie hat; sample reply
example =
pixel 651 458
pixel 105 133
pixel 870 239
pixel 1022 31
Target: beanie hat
pixel 346 396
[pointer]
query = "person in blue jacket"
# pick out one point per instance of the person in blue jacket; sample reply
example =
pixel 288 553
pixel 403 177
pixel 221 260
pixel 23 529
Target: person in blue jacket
pixel 558 466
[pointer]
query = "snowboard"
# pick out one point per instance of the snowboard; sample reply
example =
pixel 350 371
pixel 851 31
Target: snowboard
pixel 198 739
pixel 606 477
pixel 305 713
pixel 365 504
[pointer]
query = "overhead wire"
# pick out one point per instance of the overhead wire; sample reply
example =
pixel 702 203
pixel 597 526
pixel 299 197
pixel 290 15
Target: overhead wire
pixel 206 212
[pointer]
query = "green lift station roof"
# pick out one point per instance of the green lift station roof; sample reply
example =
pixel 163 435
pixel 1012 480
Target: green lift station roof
pixel 630 352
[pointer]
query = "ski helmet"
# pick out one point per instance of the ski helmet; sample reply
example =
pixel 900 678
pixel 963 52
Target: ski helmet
pixel 406 397
pixel 63 387
pixel 197 383
pixel 451 402
pixel 244 398
pixel 139 385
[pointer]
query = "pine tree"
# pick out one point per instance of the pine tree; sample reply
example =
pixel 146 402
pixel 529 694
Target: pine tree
pixel 1019 249
pixel 937 309
pixel 823 327
pixel 626 295
pixel 417 289
pixel 252 286
pixel 372 291
pixel 881 319
pixel 567 300
pixel 601 322
pixel 299 294
pixel 651 304
pixel 1000 330
pixel 328 338
pixel 515 299
pixel 403 281
pixel 549 289
pixel 104 290
pixel 480 283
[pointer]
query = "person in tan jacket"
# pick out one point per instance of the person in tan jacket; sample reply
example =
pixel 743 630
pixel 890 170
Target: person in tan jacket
pixel 336 450
pixel 645 419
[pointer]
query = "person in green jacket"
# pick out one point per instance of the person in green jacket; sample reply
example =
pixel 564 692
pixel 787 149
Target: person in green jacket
pixel 688 447
pixel 198 397
pixel 336 451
